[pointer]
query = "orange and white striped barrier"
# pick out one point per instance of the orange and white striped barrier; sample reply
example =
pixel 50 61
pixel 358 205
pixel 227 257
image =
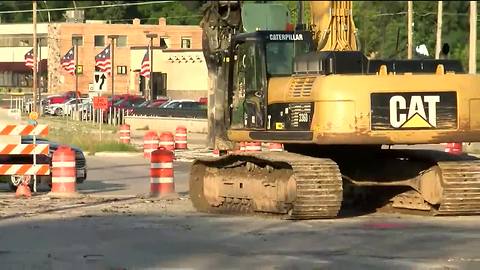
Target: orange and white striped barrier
pixel 454 148
pixel 161 172
pixel 24 149
pixel 253 146
pixel 64 173
pixel 242 147
pixel 275 147
pixel 24 130
pixel 166 140
pixel 150 143
pixel 124 134
pixel 181 138
pixel 24 169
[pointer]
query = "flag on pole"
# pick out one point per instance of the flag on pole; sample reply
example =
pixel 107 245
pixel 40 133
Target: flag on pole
pixel 103 61
pixel 68 61
pixel 145 70
pixel 29 59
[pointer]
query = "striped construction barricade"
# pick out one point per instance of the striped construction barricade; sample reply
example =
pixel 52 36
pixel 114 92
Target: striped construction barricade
pixel 21 173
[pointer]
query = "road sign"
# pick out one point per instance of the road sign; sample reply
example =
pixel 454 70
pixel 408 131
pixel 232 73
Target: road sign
pixel 99 81
pixel 100 103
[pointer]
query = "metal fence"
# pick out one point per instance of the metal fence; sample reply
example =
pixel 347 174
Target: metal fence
pixel 85 113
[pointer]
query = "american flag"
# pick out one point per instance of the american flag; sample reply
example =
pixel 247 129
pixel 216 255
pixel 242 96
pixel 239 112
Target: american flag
pixel 103 61
pixel 29 59
pixel 145 70
pixel 68 61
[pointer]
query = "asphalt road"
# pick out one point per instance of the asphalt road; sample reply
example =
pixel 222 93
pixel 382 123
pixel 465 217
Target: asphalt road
pixel 126 176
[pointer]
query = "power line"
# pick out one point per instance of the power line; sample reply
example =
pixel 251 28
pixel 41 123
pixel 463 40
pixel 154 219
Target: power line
pixel 420 14
pixel 149 18
pixel 86 7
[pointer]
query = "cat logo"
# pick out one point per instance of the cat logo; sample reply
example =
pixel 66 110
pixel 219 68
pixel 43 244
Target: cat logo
pixel 418 112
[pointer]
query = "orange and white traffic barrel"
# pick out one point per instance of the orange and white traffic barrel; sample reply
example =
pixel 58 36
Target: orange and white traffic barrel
pixel 125 134
pixel 64 173
pixel 150 143
pixel 181 138
pixel 242 146
pixel 167 141
pixel 161 172
pixel 253 146
pixel 275 147
pixel 454 148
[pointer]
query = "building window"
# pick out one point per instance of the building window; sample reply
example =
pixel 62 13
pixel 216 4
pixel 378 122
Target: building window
pixel 78 39
pixel 99 41
pixel 164 42
pixel 121 70
pixel 186 42
pixel 122 41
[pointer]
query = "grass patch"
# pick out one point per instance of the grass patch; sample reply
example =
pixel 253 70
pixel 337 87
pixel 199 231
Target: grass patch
pixel 89 140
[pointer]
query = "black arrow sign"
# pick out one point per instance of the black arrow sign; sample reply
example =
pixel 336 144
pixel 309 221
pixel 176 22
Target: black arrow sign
pixel 103 80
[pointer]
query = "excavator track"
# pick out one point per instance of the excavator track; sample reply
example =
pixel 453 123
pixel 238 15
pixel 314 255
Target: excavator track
pixel 461 188
pixel 318 185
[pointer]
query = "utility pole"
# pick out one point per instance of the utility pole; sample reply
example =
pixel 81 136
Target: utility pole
pixel 151 37
pixel 75 51
pixel 438 45
pixel 472 54
pixel 410 30
pixel 113 37
pixel 40 75
pixel 34 88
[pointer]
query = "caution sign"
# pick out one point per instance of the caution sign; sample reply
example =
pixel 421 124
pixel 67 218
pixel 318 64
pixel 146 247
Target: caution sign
pixel 100 103
pixel 432 110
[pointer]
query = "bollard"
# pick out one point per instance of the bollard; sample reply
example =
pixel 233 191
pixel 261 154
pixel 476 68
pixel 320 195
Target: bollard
pixel 275 147
pixel 181 138
pixel 161 173
pixel 125 134
pixel 253 146
pixel 150 143
pixel 166 141
pixel 64 173
pixel 454 148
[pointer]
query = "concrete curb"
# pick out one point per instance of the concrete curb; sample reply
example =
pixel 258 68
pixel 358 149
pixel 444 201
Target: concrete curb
pixel 114 154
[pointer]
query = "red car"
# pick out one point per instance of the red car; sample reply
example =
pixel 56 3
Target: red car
pixel 203 100
pixel 64 97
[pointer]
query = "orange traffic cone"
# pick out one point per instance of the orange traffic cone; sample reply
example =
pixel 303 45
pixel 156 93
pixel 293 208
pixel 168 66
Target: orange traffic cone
pixel 23 190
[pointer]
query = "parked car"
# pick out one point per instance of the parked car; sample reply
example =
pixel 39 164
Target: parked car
pixel 67 107
pixel 80 161
pixel 64 97
pixel 182 104
pixel 203 100
pixel 155 103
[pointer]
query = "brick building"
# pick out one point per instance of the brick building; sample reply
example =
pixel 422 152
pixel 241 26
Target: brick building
pixel 179 43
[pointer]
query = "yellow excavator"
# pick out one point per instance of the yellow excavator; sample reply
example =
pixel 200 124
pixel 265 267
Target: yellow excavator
pixel 310 89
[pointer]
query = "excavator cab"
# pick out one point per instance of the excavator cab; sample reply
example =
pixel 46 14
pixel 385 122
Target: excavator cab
pixel 255 58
